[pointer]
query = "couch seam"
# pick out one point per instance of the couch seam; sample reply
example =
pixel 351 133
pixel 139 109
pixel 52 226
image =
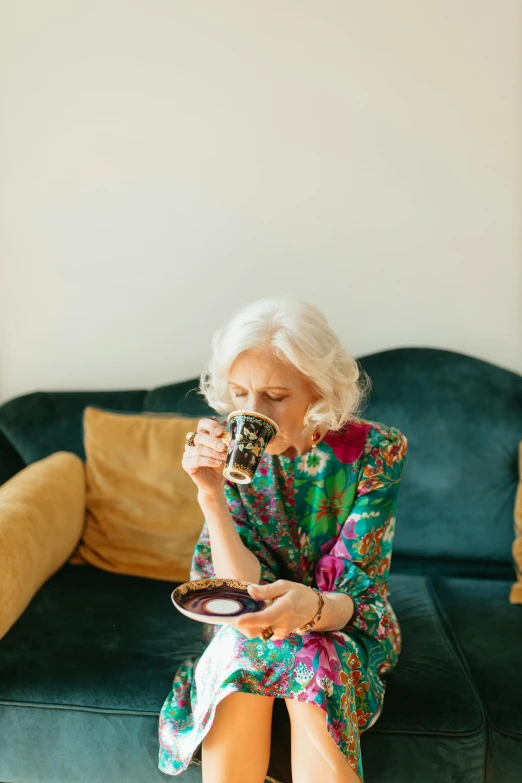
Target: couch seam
pixel 458 647
pixel 454 653
pixel 77 708
pixel 136 713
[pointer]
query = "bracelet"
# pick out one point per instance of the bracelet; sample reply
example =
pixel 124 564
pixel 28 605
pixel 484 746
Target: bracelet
pixel 308 626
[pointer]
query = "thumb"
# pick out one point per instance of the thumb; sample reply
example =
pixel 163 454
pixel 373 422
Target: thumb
pixel 268 591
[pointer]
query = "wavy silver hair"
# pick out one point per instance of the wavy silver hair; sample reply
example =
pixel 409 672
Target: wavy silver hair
pixel 296 332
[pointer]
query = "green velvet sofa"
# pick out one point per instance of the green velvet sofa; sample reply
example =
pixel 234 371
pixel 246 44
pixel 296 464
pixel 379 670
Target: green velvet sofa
pixel 85 669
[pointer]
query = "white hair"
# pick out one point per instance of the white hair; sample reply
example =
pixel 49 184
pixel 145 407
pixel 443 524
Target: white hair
pixel 296 332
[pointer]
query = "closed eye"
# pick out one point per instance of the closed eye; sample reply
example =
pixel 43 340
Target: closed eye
pixel 274 399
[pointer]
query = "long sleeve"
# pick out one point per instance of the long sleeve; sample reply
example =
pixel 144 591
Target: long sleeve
pixel 250 535
pixel 358 561
pixel 202 565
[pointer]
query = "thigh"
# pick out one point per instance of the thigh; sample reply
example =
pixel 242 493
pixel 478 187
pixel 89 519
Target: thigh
pixel 237 747
pixel 315 755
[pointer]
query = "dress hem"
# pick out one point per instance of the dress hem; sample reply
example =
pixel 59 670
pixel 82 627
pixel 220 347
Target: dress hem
pixel 286 695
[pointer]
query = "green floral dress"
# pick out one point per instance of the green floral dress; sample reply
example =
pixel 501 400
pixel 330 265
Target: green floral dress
pixel 325 519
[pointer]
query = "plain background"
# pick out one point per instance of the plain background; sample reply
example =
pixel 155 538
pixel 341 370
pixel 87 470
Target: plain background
pixel 164 162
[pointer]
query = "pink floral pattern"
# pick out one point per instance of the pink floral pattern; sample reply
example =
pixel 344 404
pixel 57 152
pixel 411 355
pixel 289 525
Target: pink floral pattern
pixel 325 519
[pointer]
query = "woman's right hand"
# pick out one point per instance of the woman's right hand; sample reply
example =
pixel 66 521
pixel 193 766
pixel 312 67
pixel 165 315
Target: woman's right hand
pixel 204 462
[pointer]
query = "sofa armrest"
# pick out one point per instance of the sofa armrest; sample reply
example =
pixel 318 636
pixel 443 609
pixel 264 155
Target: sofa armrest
pixel 42 512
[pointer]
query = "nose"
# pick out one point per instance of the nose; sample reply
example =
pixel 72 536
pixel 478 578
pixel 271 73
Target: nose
pixel 256 402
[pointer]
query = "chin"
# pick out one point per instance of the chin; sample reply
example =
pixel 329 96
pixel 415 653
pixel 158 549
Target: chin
pixel 276 450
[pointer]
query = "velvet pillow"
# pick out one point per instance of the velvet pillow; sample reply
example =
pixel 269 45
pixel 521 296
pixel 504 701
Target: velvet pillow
pixel 142 517
pixel 515 595
pixel 42 510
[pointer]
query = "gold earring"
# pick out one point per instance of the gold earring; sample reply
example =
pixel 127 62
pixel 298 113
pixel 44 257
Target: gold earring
pixel 315 437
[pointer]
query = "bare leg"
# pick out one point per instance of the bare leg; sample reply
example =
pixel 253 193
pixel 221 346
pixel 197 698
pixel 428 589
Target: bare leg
pixel 237 747
pixel 315 756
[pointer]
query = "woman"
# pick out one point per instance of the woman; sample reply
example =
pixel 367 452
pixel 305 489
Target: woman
pixel 319 513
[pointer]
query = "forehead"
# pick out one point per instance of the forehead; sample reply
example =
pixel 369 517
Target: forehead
pixel 257 368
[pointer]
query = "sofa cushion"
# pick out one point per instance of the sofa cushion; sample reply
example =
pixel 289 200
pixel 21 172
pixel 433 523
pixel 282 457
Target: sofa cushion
pixel 96 652
pixel 42 510
pixel 142 517
pixel 488 631
pixel 432 726
pixel 83 674
pixel 462 416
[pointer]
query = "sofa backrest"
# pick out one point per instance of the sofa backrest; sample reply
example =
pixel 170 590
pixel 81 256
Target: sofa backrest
pixel 463 420
pixel 462 417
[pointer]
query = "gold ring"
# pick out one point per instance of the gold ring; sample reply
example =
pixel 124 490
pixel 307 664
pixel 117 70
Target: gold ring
pixel 266 633
pixel 189 437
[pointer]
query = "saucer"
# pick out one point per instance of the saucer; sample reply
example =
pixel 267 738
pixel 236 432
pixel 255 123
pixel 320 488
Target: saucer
pixel 214 600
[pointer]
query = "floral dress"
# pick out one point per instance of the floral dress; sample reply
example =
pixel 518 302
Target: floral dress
pixel 327 520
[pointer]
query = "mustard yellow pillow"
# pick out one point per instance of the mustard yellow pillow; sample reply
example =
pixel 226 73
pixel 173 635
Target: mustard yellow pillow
pixel 515 595
pixel 142 515
pixel 42 512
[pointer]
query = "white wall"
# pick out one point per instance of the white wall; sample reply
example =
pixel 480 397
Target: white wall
pixel 164 161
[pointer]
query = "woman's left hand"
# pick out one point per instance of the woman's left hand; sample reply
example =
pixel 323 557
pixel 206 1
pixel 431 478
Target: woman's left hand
pixel 292 605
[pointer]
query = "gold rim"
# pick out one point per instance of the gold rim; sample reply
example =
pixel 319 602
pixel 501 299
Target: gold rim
pixel 213 581
pixel 259 416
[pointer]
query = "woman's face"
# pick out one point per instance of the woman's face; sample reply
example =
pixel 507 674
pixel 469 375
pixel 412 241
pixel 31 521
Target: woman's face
pixel 262 383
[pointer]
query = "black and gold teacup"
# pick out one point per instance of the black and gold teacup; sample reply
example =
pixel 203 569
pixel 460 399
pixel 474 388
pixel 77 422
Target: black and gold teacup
pixel 250 434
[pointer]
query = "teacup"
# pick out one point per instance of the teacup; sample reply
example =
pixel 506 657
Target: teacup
pixel 250 434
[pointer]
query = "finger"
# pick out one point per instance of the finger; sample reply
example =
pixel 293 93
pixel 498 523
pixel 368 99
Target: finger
pixel 205 451
pixel 268 593
pixel 250 620
pixel 204 439
pixel 200 461
pixel 254 631
pixel 250 633
pixel 271 590
pixel 210 426
pixel 273 615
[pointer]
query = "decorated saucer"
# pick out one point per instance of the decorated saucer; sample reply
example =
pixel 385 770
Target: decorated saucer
pixel 215 600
